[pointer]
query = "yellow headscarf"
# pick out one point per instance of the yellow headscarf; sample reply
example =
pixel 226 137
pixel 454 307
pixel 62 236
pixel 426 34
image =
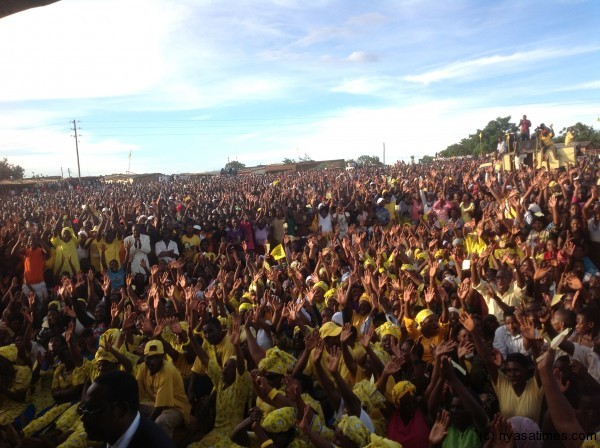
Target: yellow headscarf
pixel 245 307
pixel 9 352
pixel 370 398
pixel 421 316
pixel 280 420
pixel 364 298
pixel 401 389
pixel 354 429
pixel 321 285
pixel 389 328
pixel 331 293
pixel 381 442
pixel 104 355
pixel 276 361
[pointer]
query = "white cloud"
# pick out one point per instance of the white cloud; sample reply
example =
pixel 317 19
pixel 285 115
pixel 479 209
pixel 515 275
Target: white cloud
pixel 491 65
pixel 362 57
pixel 368 19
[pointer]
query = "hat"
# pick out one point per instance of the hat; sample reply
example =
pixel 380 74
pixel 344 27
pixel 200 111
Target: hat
pixel 556 299
pixel 380 200
pixel 421 316
pixel 197 227
pixel 353 428
pixel 365 298
pixel 142 218
pixel 245 306
pixel 82 233
pixel 277 361
pixel 330 329
pixel 154 348
pixel 457 242
pixel 338 318
pixel 535 210
pixel 345 276
pixel 382 442
pixel 150 218
pixel 452 309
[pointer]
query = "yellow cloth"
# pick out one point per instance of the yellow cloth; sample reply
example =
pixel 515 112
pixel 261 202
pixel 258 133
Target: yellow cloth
pixel 113 250
pixel 276 361
pixel 63 379
pixel 428 344
pixel 278 252
pixel 422 315
pixel 401 389
pixel 164 388
pixel 389 328
pixel 528 404
pixel 220 352
pixel 11 409
pixel 245 307
pixel 331 293
pixel 9 352
pixel 103 355
pixel 321 285
pixel 64 251
pixel 354 429
pixel 280 420
pixel 190 246
pixel 370 398
pixel 382 442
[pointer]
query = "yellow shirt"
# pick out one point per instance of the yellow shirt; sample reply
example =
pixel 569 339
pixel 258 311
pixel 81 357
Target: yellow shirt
pixel 63 379
pixel 190 246
pixel 113 250
pixel 165 388
pixel 65 250
pixel 11 409
pixel 512 297
pixel 429 344
pixel 528 404
pixel 220 352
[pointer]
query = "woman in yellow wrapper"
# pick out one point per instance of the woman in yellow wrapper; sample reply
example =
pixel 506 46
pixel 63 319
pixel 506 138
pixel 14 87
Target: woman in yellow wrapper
pixel 233 388
pixel 67 386
pixel 14 385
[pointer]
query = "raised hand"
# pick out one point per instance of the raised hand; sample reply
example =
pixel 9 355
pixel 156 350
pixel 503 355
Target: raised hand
pixel 439 431
pixel 365 340
pixel 394 365
pixel 468 322
pixel 346 333
pixel 317 351
pixel 334 359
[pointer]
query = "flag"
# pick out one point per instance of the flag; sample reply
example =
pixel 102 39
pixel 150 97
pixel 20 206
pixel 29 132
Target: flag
pixel 267 266
pixel 130 154
pixel 278 252
pixel 480 135
pixel 275 182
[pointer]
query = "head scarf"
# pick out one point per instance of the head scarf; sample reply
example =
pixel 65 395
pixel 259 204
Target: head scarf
pixel 331 293
pixel 365 298
pixel 370 398
pixel 9 352
pixel 421 316
pixel 389 328
pixel 354 429
pixel 104 355
pixel 276 361
pixel 381 442
pixel 524 425
pixel 280 420
pixel 245 307
pixel 401 389
pixel 321 285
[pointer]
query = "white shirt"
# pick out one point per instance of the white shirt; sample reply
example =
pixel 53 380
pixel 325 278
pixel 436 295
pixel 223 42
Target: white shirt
pixel 594 230
pixel 160 247
pixel 125 439
pixel 506 343
pixel 588 358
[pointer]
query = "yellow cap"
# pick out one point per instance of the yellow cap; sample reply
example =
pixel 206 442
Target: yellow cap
pixel 422 315
pixel 154 348
pixel 330 329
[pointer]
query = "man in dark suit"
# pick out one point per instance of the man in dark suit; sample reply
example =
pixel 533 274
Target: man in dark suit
pixel 110 414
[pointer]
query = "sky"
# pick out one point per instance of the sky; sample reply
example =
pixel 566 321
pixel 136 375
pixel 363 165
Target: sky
pixel 187 85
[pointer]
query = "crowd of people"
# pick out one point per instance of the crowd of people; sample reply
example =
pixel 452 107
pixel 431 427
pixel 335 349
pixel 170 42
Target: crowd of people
pixel 412 305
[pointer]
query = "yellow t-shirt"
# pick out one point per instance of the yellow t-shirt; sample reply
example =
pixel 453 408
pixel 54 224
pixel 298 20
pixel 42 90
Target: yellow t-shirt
pixel 528 404
pixel 165 388
pixel 429 344
pixel 190 246
pixel 220 353
pixel 65 250
pixel 113 250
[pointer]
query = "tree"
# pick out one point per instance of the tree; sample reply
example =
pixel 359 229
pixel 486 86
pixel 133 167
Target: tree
pixel 234 165
pixel 583 133
pixel 306 158
pixel 368 161
pixel 475 145
pixel 10 171
pixel 286 160
pixel 426 160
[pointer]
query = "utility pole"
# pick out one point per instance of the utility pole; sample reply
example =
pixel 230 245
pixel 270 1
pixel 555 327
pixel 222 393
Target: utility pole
pixel 384 153
pixel 77 149
pixel 62 175
pixel 69 172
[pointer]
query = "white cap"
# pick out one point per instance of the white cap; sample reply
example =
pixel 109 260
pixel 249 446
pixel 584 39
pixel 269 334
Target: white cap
pixel 380 200
pixel 197 227
pixel 338 318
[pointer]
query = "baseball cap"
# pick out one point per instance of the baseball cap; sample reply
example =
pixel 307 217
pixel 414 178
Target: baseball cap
pixel 154 348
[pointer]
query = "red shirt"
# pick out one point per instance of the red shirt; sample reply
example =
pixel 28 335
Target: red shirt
pixel 35 261
pixel 413 435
